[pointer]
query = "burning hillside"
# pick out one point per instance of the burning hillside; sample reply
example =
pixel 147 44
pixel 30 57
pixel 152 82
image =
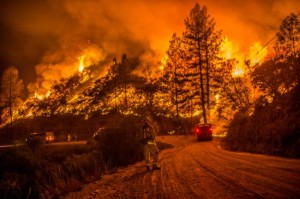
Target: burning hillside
pixel 86 71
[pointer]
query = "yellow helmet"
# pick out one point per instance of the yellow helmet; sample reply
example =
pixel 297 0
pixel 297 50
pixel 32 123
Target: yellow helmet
pixel 146 120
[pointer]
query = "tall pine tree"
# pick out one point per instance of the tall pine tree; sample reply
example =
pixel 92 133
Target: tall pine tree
pixel 201 43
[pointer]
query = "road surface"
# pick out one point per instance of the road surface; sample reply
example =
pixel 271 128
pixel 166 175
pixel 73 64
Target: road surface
pixel 201 170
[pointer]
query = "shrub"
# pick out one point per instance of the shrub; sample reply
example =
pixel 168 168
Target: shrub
pixel 27 173
pixel 120 144
pixel 272 129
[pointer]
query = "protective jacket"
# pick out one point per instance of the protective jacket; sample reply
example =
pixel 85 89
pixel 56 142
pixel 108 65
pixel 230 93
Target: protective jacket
pixel 148 134
pixel 148 140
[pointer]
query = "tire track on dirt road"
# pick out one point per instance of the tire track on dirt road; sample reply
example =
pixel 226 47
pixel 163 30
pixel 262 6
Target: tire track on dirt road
pixel 269 180
pixel 259 174
pixel 169 182
pixel 200 170
pixel 239 190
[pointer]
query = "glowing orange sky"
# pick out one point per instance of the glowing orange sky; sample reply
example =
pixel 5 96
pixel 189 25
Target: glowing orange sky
pixel 42 37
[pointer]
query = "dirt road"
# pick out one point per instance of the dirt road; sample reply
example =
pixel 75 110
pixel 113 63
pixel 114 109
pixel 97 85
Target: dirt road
pixel 201 170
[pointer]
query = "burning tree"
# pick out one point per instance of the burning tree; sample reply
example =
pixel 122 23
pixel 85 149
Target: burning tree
pixel 234 90
pixel 280 74
pixel 193 60
pixel 174 72
pixel 11 88
pixel 288 38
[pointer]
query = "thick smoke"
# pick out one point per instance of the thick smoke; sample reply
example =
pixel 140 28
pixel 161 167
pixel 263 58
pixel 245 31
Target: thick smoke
pixel 45 38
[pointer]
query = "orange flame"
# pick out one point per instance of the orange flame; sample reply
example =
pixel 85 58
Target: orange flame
pixel 217 97
pixel 257 53
pixel 163 62
pixel 238 71
pixel 41 96
pixel 38 96
pixel 228 50
pixel 81 63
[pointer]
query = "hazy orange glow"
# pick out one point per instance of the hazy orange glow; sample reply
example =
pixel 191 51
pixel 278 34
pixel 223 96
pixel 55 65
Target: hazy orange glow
pixel 61 30
pixel 86 35
pixel 229 50
pixel 257 53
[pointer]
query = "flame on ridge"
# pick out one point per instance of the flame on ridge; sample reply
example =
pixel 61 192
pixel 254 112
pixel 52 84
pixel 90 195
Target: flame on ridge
pixel 81 63
pixel 228 50
pixel 163 62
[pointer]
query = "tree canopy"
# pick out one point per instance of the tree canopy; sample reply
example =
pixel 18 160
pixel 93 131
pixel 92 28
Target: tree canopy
pixel 11 89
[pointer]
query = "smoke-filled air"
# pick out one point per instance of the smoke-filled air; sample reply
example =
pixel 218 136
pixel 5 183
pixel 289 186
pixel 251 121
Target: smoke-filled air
pixel 149 99
pixel 47 39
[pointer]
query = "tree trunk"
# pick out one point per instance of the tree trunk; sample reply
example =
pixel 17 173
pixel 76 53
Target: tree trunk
pixel 176 92
pixel 201 85
pixel 207 78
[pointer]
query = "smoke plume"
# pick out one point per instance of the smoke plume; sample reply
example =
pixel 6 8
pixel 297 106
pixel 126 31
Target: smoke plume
pixel 45 38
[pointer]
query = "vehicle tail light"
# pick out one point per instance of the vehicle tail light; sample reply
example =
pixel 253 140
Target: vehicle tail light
pixel 197 130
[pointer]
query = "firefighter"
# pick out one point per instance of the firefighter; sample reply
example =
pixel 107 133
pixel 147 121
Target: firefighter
pixel 148 140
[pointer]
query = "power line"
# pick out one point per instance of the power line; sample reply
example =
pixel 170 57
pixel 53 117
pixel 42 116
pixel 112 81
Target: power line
pixel 270 40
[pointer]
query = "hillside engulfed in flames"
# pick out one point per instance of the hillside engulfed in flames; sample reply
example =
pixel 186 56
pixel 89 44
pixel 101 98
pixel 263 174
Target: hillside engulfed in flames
pixel 118 86
pixel 64 63
pixel 84 92
pixel 206 78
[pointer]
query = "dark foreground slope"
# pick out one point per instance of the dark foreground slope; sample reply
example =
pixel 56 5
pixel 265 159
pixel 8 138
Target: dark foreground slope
pixel 272 128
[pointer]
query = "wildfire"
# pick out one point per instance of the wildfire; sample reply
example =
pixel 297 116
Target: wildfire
pixel 38 96
pixel 257 53
pixel 81 63
pixel 217 97
pixel 238 71
pixel 228 50
pixel 41 96
pixel 48 94
pixel 163 62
